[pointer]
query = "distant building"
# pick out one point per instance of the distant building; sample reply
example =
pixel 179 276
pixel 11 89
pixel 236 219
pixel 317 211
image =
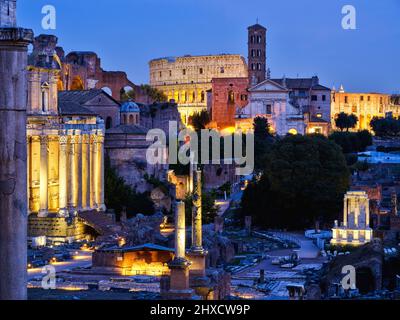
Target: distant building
pixel 186 79
pixel 228 95
pixel 95 100
pixel 271 100
pixel 130 113
pixel 257 58
pixel 355 229
pixel 365 106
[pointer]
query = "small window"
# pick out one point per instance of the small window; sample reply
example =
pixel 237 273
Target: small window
pixel 170 73
pixel 361 98
pixel 184 72
pixel 369 98
pixel 268 109
pixel 314 98
pixel 201 71
pixel 346 99
pixel 160 74
pixel 323 97
pixel 222 70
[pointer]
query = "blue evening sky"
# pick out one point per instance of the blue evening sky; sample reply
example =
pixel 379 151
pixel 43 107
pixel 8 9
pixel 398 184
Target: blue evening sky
pixel 305 37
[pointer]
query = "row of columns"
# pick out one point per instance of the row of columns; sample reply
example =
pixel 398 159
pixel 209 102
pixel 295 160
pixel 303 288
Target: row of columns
pixel 80 172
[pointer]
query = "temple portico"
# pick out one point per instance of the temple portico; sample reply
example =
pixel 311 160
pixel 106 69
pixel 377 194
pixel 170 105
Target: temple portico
pixel 65 170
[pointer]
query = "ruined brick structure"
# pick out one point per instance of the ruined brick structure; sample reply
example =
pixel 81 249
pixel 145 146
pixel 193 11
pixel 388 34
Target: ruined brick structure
pixel 81 70
pixel 228 95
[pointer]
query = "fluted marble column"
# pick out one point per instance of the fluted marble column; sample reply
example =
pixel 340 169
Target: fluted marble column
pixel 100 173
pixel 78 171
pixel 44 184
pixel 85 172
pixel 92 170
pixel 71 176
pixel 62 176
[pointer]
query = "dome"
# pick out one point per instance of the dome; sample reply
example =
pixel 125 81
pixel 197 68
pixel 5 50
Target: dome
pixel 129 106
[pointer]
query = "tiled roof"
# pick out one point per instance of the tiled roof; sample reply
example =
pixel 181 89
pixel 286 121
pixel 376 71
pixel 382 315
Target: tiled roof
pixel 79 96
pixel 297 83
pixel 127 129
pixel 72 108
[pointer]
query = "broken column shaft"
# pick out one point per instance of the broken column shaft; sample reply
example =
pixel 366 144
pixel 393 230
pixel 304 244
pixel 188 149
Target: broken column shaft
pixel 13 165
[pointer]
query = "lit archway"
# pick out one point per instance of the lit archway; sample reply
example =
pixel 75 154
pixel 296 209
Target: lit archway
pixel 77 84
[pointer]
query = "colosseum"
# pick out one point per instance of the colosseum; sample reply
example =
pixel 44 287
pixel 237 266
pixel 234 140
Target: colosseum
pixel 187 79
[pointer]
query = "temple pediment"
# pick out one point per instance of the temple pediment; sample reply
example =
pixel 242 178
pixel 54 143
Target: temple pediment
pixel 268 85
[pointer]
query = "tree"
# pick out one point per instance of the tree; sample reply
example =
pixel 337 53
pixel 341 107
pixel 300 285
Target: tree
pixel 127 95
pixel 346 121
pixel 304 180
pixel 199 120
pixel 154 94
pixel 119 195
pixel 262 141
pixel 352 142
pixel 385 127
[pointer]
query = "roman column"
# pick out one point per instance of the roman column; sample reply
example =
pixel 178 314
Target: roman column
pixel 28 173
pixel 78 171
pixel 62 176
pixel 85 172
pixel 94 170
pixel 179 266
pixel 180 230
pixel 92 151
pixel 71 176
pixel 100 173
pixel 44 183
pixel 197 231
pixel 13 166
pixel 197 254
pixel 345 210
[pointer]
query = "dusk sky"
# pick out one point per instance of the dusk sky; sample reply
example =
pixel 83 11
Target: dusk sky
pixel 304 38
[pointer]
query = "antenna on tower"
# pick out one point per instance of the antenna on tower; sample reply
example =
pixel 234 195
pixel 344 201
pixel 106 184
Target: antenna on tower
pixel 257 20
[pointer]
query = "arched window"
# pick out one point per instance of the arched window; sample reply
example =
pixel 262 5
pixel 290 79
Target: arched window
pixel 108 122
pixel 203 98
pixel 231 97
pixel 45 97
pixel 131 119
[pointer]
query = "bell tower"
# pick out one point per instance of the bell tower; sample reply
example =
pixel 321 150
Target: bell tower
pixel 257 58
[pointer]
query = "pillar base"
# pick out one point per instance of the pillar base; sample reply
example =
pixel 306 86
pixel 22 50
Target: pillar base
pixel 62 213
pixel 197 256
pixel 43 213
pixel 179 280
pixel 102 208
